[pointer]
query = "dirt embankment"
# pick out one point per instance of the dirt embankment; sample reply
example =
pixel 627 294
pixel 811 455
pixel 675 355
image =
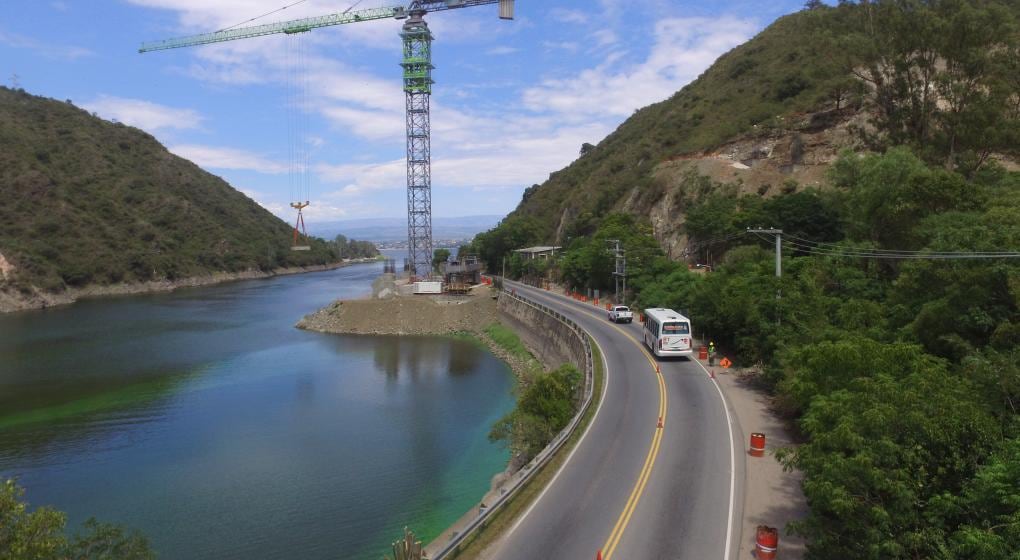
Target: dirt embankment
pixel 405 315
pixel 11 300
pixel 388 313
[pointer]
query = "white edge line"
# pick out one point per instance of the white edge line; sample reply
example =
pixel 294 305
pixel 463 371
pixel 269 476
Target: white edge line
pixel 605 387
pixel 727 553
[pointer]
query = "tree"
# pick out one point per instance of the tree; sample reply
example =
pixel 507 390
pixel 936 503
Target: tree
pixel 439 256
pixel 884 457
pixel 586 149
pixel 943 74
pixel 544 407
pixel 990 506
pixel 38 535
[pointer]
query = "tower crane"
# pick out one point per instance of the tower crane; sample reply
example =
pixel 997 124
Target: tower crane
pixel 417 70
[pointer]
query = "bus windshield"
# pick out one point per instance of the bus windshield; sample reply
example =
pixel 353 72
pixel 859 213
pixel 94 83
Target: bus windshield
pixel 676 328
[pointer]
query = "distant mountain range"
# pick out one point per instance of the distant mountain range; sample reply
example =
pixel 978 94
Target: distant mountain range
pixel 395 229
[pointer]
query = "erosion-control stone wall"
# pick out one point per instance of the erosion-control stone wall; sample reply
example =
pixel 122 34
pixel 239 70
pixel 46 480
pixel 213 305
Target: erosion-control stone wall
pixel 552 341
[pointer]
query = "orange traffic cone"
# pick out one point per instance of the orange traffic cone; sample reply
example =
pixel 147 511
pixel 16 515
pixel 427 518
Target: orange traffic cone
pixel 598 556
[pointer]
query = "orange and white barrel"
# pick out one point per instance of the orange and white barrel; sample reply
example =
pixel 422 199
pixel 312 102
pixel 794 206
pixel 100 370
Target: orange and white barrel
pixel 766 542
pixel 757 444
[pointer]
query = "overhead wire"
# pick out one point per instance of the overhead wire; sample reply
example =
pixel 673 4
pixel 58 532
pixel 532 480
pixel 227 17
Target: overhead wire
pixel 823 245
pixel 834 250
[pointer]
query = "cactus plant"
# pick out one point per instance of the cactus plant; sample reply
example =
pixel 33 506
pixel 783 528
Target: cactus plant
pixel 407 548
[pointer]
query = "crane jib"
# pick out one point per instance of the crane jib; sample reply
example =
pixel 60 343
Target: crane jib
pixel 307 24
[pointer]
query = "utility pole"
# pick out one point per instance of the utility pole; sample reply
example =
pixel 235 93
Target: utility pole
pixel 779 262
pixel 15 81
pixel 620 274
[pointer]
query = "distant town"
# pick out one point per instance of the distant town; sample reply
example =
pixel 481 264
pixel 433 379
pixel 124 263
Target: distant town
pixel 437 243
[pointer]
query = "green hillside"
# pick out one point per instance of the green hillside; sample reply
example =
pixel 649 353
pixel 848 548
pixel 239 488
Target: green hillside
pixel 87 201
pixel 891 339
pixel 807 72
pixel 774 73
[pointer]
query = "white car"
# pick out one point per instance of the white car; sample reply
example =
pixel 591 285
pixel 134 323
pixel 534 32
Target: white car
pixel 621 314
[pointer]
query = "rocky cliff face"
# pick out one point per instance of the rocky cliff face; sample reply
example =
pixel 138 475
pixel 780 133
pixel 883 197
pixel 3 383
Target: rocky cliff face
pixel 763 163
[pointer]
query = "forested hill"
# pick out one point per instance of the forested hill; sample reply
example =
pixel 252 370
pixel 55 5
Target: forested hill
pixel 772 115
pixel 90 202
pixel 881 138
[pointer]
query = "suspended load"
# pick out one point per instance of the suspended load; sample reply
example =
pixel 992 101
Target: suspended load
pixel 300 242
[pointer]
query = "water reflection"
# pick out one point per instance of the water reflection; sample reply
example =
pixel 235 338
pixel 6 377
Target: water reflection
pixel 176 412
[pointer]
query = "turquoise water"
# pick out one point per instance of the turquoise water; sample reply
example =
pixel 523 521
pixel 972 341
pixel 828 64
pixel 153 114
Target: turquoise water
pixel 205 420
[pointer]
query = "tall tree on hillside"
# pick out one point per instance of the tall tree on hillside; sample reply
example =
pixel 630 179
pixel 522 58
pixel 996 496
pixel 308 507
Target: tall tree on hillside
pixel 943 73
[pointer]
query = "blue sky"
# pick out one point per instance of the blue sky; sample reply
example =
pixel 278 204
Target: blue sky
pixel 513 101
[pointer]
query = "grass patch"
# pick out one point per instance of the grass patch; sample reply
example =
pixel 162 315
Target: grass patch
pixel 507 339
pixel 494 528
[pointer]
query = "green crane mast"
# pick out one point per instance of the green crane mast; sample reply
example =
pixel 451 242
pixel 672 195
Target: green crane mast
pixel 417 71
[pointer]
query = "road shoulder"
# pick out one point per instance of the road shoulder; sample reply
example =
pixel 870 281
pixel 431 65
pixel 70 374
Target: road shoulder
pixel 772 496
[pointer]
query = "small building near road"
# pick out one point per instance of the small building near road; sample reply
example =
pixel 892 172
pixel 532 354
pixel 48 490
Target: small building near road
pixel 539 252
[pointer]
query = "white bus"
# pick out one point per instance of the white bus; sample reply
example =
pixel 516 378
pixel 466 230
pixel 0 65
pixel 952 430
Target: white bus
pixel 668 333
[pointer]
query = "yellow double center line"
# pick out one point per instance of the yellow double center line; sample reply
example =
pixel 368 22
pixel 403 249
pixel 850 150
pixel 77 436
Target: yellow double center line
pixel 646 471
pixel 653 451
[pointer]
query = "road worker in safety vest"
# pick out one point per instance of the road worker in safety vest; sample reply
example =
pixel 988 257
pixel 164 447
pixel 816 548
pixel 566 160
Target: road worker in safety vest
pixel 711 353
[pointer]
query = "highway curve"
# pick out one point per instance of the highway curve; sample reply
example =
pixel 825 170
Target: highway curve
pixel 631 489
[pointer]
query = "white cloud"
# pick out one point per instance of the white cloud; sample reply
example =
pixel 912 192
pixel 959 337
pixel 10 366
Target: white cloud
pixel 202 16
pixel 371 125
pixel 500 51
pixel 214 157
pixel 568 16
pixel 144 114
pixel 684 47
pixel 360 178
pixel 605 37
pixel 536 130
pixel 569 46
pixel 43 49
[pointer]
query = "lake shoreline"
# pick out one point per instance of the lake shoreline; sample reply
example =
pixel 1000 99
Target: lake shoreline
pixel 16 301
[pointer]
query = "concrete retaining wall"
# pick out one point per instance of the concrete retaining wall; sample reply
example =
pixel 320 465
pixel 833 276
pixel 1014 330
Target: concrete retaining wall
pixel 552 341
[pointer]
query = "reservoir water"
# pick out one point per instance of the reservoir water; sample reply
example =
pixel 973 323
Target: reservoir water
pixel 205 420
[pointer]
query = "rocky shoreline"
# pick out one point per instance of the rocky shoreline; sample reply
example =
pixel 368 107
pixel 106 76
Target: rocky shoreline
pixel 16 301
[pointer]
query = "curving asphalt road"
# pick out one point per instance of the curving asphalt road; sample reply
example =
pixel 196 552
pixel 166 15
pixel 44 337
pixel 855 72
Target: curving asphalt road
pixel 630 489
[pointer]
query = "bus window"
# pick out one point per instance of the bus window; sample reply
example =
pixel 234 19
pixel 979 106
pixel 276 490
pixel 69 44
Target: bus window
pixel 676 328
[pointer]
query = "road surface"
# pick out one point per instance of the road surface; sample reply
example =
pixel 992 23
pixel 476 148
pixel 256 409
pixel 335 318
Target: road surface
pixel 630 489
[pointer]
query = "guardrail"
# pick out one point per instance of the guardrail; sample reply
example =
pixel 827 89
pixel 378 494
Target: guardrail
pixel 550 450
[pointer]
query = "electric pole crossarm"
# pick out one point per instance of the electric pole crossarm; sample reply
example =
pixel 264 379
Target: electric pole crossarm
pixel 292 26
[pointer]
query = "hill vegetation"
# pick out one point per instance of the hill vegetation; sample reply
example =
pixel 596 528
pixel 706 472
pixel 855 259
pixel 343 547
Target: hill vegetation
pixel 89 202
pixel 940 77
pixel 893 336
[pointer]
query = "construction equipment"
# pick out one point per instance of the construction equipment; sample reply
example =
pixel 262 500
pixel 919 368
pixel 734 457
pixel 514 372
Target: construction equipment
pixel 417 74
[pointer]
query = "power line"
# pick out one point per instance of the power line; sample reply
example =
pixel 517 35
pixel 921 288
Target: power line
pixel 837 251
pixel 838 247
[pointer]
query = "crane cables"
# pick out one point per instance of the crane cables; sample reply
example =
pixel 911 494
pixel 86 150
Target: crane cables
pixel 263 15
pixel 298 145
pixel 836 250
